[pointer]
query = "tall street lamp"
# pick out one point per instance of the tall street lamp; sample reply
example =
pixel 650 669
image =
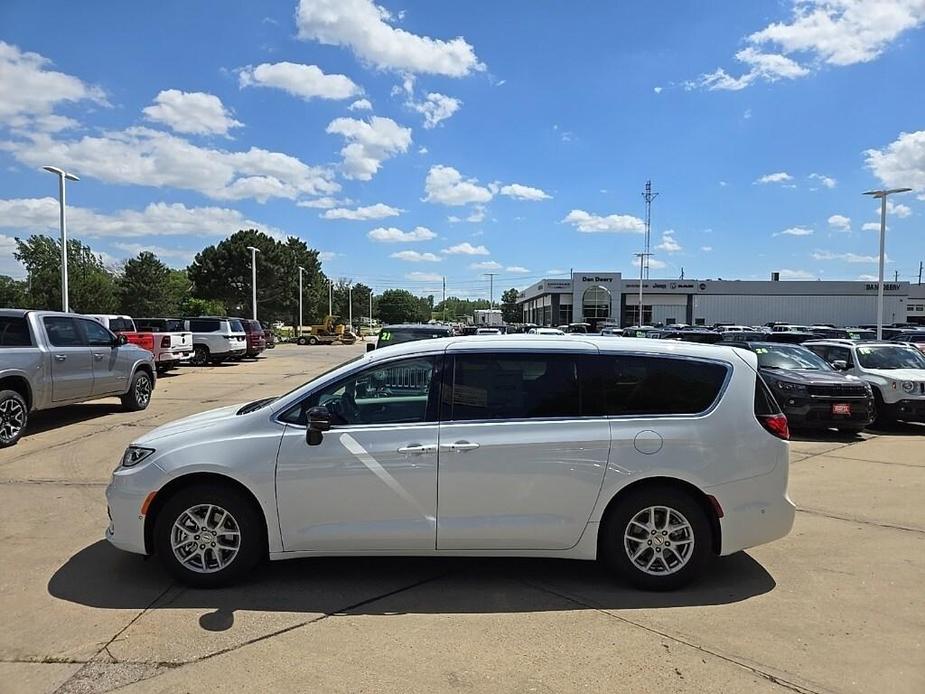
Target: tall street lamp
pixel 301 270
pixel 882 194
pixel 62 176
pixel 254 252
pixel 350 307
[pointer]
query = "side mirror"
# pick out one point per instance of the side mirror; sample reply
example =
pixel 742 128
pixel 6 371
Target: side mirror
pixel 319 421
pixel 840 365
pixel 120 340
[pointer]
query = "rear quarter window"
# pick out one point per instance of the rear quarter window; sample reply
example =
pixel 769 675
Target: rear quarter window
pixel 14 332
pixel 649 385
pixel 204 325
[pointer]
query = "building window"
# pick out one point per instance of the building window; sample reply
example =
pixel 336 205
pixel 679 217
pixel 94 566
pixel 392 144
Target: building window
pixel 565 314
pixel 595 303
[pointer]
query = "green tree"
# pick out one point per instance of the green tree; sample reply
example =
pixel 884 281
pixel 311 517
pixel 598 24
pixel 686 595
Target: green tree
pixel 144 287
pixel 92 288
pixel 401 306
pixel 12 292
pixel 510 311
pixel 457 308
pixel 179 289
pixel 191 306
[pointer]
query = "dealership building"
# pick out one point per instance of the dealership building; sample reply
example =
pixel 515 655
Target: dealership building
pixel 608 297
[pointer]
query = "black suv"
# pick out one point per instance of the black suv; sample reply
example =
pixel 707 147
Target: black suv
pixel 396 334
pixel 810 392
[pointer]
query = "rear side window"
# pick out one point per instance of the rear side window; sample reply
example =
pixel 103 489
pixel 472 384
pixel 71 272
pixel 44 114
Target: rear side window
pixel 513 386
pixel 204 325
pixel 62 331
pixel 14 332
pixel 235 326
pixel 765 404
pixel 639 385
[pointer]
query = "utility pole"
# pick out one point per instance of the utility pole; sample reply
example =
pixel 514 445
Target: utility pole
pixel 370 310
pixel 491 288
pixel 350 306
pixel 642 262
pixel 330 297
pixel 301 270
pixel 920 272
pixel 444 298
pixel 896 275
pixel 648 196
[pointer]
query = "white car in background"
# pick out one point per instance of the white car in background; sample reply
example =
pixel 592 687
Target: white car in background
pixel 651 455
pixel 545 331
pixel 488 331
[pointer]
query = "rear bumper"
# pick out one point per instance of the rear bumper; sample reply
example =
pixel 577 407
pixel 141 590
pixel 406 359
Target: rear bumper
pixel 755 511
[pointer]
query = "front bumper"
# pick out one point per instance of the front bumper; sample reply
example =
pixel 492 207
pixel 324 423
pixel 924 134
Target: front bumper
pixel 125 496
pixel 756 510
pixel 818 411
pixel 907 410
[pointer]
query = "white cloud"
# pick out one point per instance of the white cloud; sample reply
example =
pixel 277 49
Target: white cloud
pixel 453 219
pixel 723 184
pixel 416 257
pixel 325 256
pixel 423 150
pixel 322 203
pixel 871 226
pixel 657 90
pixel 779 177
pixel 833 32
pixel 445 185
pixel 654 263
pixel 840 222
pixel 304 81
pixel 466 248
pixel 897 209
pixel 786 274
pixel 369 143
pixel 486 265
pixel 846 257
pixel 424 276
pixel 435 108
pixel 902 163
pixel 795 231
pixel 141 156
pixel 827 181
pixel 478 215
pixel 366 29
pixel 360 105
pixel 393 235
pixel 30 91
pixel 669 244
pixel 616 223
pixel 9 266
pixel 179 256
pixel 747 114
pixel 196 113
pixel 868 278
pixel 40 215
pixel 521 192
pixel 516 269
pixel 706 249
pixel 377 211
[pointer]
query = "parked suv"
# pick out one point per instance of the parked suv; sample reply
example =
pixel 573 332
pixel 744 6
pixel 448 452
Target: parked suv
pixel 650 455
pixel 50 359
pixel 216 339
pixel 896 373
pixel 170 348
pixel 811 392
pixel 255 336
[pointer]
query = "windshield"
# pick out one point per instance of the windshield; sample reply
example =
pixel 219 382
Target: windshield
pixel 236 326
pixel 790 358
pixel 889 357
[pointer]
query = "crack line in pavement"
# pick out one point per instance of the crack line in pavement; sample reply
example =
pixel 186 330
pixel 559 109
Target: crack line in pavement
pixel 851 519
pixel 755 668
pixel 61 483
pixel 876 462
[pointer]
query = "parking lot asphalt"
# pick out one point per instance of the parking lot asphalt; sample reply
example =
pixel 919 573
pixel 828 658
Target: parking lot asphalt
pixel 837 606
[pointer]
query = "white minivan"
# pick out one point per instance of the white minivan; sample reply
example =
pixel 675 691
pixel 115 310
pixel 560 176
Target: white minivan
pixel 652 455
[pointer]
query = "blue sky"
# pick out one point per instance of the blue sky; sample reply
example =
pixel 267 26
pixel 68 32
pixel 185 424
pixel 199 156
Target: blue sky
pixel 419 140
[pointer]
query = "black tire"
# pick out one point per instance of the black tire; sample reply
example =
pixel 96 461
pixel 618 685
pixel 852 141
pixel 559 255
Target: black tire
pixel 250 546
pixel 615 550
pixel 313 340
pixel 881 420
pixel 14 417
pixel 139 392
pixel 302 341
pixel 200 356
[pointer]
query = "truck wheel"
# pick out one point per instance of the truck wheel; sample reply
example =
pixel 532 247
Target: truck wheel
pixel 209 535
pixel 13 417
pixel 313 340
pixel 200 356
pixel 138 396
pixel 302 341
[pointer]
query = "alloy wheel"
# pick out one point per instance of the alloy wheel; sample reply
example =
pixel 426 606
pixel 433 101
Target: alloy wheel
pixel 12 419
pixel 659 540
pixel 142 390
pixel 205 538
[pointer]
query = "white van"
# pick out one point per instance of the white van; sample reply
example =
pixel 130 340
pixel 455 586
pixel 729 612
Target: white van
pixel 651 455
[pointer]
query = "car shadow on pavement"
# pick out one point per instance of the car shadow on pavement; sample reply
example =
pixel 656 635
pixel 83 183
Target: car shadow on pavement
pixel 103 577
pixel 46 420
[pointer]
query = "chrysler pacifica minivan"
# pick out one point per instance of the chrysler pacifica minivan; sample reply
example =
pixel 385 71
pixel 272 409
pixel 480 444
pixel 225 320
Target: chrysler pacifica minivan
pixel 651 455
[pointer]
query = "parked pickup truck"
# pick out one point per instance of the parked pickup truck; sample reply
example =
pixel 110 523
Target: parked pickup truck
pixel 50 359
pixel 170 348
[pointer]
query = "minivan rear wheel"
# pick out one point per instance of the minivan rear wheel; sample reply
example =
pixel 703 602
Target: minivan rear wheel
pixel 658 538
pixel 209 536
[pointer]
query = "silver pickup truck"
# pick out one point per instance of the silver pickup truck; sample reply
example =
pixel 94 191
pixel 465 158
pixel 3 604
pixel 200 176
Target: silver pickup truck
pixel 49 359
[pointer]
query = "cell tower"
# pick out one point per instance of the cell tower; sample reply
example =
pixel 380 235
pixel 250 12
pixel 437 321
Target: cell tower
pixel 648 196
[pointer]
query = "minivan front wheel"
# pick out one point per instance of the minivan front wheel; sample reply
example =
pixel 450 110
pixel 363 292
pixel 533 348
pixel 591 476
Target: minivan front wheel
pixel 657 539
pixel 209 536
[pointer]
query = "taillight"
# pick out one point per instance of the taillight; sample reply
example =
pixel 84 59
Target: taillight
pixel 776 424
pixel 165 342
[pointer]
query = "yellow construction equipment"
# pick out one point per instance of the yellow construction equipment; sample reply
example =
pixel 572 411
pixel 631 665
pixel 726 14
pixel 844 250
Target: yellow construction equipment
pixel 328 333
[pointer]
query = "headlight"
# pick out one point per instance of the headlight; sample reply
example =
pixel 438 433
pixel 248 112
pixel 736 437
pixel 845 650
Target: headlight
pixel 908 386
pixel 134 455
pixel 788 387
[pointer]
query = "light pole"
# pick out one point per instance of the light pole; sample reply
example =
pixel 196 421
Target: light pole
pixel 301 270
pixel 254 252
pixel 882 194
pixel 330 297
pixel 642 257
pixel 62 176
pixel 350 306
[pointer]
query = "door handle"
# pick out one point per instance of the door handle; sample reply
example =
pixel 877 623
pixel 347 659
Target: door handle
pixel 60 357
pixel 417 448
pixel 461 446
pixel 98 357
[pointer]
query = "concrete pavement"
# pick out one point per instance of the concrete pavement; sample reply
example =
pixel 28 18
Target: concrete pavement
pixel 837 606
